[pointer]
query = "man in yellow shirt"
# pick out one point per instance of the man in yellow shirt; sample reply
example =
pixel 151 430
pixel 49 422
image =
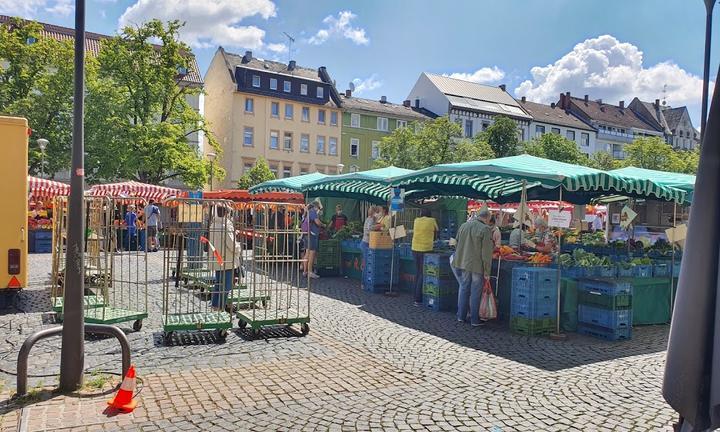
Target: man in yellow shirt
pixel 424 230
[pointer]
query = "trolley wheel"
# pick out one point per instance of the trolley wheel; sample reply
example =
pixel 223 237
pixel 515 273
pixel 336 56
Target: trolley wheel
pixel 304 329
pixel 167 338
pixel 256 332
pixel 242 324
pixel 264 303
pixel 221 334
pixel 137 325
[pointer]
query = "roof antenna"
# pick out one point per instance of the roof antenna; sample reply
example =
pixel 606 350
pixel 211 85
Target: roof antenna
pixel 291 40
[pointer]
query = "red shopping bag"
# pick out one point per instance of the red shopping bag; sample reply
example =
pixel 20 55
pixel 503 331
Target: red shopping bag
pixel 488 306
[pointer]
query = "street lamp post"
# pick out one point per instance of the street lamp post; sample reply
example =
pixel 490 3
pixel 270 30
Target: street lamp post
pixel 709 5
pixel 211 157
pixel 42 143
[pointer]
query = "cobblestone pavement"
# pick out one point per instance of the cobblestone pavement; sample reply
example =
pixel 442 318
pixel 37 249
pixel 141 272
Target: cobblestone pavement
pixel 370 362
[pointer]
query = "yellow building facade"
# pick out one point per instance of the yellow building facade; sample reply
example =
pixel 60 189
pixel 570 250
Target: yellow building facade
pixel 284 113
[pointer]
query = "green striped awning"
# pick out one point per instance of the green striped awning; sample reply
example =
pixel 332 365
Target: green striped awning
pixel 290 184
pixel 658 182
pixel 372 185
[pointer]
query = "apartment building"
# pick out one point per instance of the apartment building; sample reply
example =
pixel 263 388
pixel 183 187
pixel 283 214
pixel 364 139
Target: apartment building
pixel 552 119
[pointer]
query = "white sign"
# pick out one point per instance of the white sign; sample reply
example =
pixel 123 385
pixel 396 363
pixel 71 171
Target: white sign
pixel 627 215
pixel 559 219
pixel 677 234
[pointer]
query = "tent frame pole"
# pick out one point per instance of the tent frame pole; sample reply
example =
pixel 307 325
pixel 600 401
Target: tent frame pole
pixel 390 292
pixel 672 261
pixel 558 335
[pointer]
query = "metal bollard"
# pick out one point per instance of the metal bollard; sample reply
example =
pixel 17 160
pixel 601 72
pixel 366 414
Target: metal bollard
pixel 22 362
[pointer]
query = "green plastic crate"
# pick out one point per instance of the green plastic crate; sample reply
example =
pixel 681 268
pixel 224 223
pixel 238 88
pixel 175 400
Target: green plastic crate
pixel 532 327
pixel 622 301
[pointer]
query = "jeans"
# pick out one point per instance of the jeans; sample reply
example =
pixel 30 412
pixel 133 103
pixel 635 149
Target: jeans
pixel 223 285
pixel 364 247
pixel 419 268
pixel 470 289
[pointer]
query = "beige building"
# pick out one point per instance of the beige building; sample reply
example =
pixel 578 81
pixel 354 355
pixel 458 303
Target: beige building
pixel 285 113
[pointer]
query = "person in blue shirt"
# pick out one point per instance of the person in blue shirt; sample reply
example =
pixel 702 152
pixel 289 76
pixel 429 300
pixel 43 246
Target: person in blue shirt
pixel 131 224
pixel 311 230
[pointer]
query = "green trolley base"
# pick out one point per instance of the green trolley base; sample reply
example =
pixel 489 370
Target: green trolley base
pixel 197 321
pixel 90 302
pixel 244 297
pixel 111 315
pixel 246 319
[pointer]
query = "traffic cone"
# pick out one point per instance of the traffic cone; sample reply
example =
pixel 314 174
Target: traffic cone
pixel 123 400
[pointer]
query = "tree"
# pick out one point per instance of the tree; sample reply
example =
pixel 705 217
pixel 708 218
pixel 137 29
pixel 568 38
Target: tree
pixel 688 160
pixel 603 161
pixel 36 82
pixel 257 174
pixel 502 137
pixel 473 150
pixel 399 149
pixel 556 147
pixel 139 119
pixel 651 153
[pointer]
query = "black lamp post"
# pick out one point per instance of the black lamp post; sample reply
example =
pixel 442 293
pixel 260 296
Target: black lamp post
pixel 211 157
pixel 42 143
pixel 709 5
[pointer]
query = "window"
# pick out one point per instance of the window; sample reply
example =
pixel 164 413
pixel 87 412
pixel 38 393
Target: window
pixel 570 135
pixel 333 118
pixel 320 144
pixel 248 137
pixel 249 105
pixel 375 150
pixel 539 131
pixel 287 172
pixel 332 146
pixel 320 93
pixel 305 143
pixel 274 136
pixel 303 89
pixel 681 134
pixel 355 120
pixel 274 170
pixel 401 124
pixel 555 130
pixel 273 83
pixel 468 129
pixel 289 111
pixel 286 86
pixel 247 167
pixel 321 116
pixel 382 124
pixel 256 80
pixel 287 141
pixel 354 147
pixel 306 114
pixel 585 139
pixel 303 170
pixel 275 109
pixel 354 168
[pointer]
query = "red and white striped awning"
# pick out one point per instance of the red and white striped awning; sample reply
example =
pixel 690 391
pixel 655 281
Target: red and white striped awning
pixel 43 188
pixel 134 189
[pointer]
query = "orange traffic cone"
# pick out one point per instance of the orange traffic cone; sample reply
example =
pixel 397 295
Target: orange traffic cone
pixel 123 400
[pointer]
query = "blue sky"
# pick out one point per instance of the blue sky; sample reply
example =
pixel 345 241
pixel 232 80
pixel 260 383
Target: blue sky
pixel 610 49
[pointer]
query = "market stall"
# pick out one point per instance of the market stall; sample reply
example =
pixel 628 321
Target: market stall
pixel 40 212
pixel 289 184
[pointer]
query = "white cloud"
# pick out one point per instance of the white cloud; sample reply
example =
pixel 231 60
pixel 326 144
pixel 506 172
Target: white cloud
pixel 340 26
pixel 209 23
pixel 482 76
pixel 365 85
pixel 30 8
pixel 605 68
pixel 277 47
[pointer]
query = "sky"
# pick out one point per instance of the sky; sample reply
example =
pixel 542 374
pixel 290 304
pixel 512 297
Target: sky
pixel 608 49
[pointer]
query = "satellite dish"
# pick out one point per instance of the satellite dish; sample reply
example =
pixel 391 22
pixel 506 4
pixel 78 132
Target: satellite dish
pixel 351 86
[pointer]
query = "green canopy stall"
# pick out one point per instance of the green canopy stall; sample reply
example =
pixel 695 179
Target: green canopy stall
pixel 372 186
pixel 683 182
pixel 289 184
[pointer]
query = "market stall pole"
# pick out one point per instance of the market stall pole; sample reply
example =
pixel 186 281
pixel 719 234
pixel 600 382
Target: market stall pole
pixel 559 335
pixel 276 270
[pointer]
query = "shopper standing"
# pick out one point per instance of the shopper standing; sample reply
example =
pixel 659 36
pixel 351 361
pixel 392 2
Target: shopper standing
pixel 368 226
pixel 152 221
pixel 472 264
pixel 425 229
pixel 229 253
pixel 131 225
pixel 311 228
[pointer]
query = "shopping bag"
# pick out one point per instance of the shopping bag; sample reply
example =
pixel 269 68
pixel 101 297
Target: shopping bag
pixel 488 306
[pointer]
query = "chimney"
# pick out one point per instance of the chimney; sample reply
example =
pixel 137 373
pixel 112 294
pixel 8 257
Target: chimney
pixel 291 65
pixel 622 104
pixel 417 103
pixel 657 103
pixel 523 99
pixel 562 101
pixel 599 101
pixel 552 105
pixel 502 87
pixel 247 57
pixel 348 93
pixel 406 103
pixel 587 99
pixel 567 95
pixel 383 99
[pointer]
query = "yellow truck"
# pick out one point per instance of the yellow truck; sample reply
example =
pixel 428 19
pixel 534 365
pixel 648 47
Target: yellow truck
pixel 14 134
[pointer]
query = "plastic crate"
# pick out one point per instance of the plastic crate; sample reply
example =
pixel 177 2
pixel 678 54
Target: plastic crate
pixel 534 282
pixel 440 288
pixel 606 271
pixel 573 272
pixel 676 269
pixel 527 308
pixel 611 319
pixel 43 234
pixel 623 301
pixel 624 271
pixel 624 333
pixel 436 259
pixel 329 271
pixel 440 303
pixel 610 287
pixel 350 245
pixel 661 270
pixel 532 327
pixel 642 271
pixel 43 245
pixel 352 264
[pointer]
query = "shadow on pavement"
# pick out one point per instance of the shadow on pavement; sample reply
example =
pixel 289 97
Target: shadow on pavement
pixel 495 337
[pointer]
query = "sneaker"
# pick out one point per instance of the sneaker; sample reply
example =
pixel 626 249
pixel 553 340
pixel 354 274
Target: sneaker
pixel 314 276
pixel 478 324
pixel 417 304
pixel 460 320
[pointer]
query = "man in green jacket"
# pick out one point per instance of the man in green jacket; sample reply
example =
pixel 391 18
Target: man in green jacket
pixel 472 264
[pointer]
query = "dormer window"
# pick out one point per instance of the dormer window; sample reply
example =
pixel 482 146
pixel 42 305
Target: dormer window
pixel 286 86
pixel 256 81
pixel 320 92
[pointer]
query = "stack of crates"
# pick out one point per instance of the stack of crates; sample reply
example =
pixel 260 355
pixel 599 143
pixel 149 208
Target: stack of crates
pixel 440 289
pixel 533 301
pixel 605 309
pixel 328 261
pixel 42 241
pixel 378 265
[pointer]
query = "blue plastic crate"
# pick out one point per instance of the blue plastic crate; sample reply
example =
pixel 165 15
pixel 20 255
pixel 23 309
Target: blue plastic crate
pixel 642 271
pixel 607 318
pixel 611 287
pixel 624 271
pixel 605 333
pixel 440 303
pixel 538 280
pixel 676 269
pixel 43 245
pixel 43 234
pixel 661 270
pixel 573 272
pixel 437 259
pixel 440 287
pixel 533 308
pixel 606 271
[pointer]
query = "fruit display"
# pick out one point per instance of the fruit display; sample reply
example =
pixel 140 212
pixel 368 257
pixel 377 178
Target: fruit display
pixel 540 258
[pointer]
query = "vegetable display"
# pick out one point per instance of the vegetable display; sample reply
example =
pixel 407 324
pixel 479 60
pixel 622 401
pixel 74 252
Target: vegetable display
pixel 580 258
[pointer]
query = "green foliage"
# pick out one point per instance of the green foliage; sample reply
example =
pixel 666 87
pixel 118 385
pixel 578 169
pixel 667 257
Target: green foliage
pixel 430 143
pixel 556 147
pixel 651 153
pixel 502 136
pixel 256 175
pixel 688 161
pixel 603 161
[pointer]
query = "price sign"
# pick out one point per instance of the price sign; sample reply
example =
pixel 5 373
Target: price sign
pixel 397 202
pixel 627 215
pixel 559 219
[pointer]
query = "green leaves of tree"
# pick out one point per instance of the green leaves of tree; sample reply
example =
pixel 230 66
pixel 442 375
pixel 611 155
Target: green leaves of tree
pixel 256 175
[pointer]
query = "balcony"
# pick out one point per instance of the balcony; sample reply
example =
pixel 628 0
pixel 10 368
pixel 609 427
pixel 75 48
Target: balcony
pixel 615 136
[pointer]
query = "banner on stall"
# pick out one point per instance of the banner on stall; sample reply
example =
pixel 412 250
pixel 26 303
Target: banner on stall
pixel 397 202
pixel 559 218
